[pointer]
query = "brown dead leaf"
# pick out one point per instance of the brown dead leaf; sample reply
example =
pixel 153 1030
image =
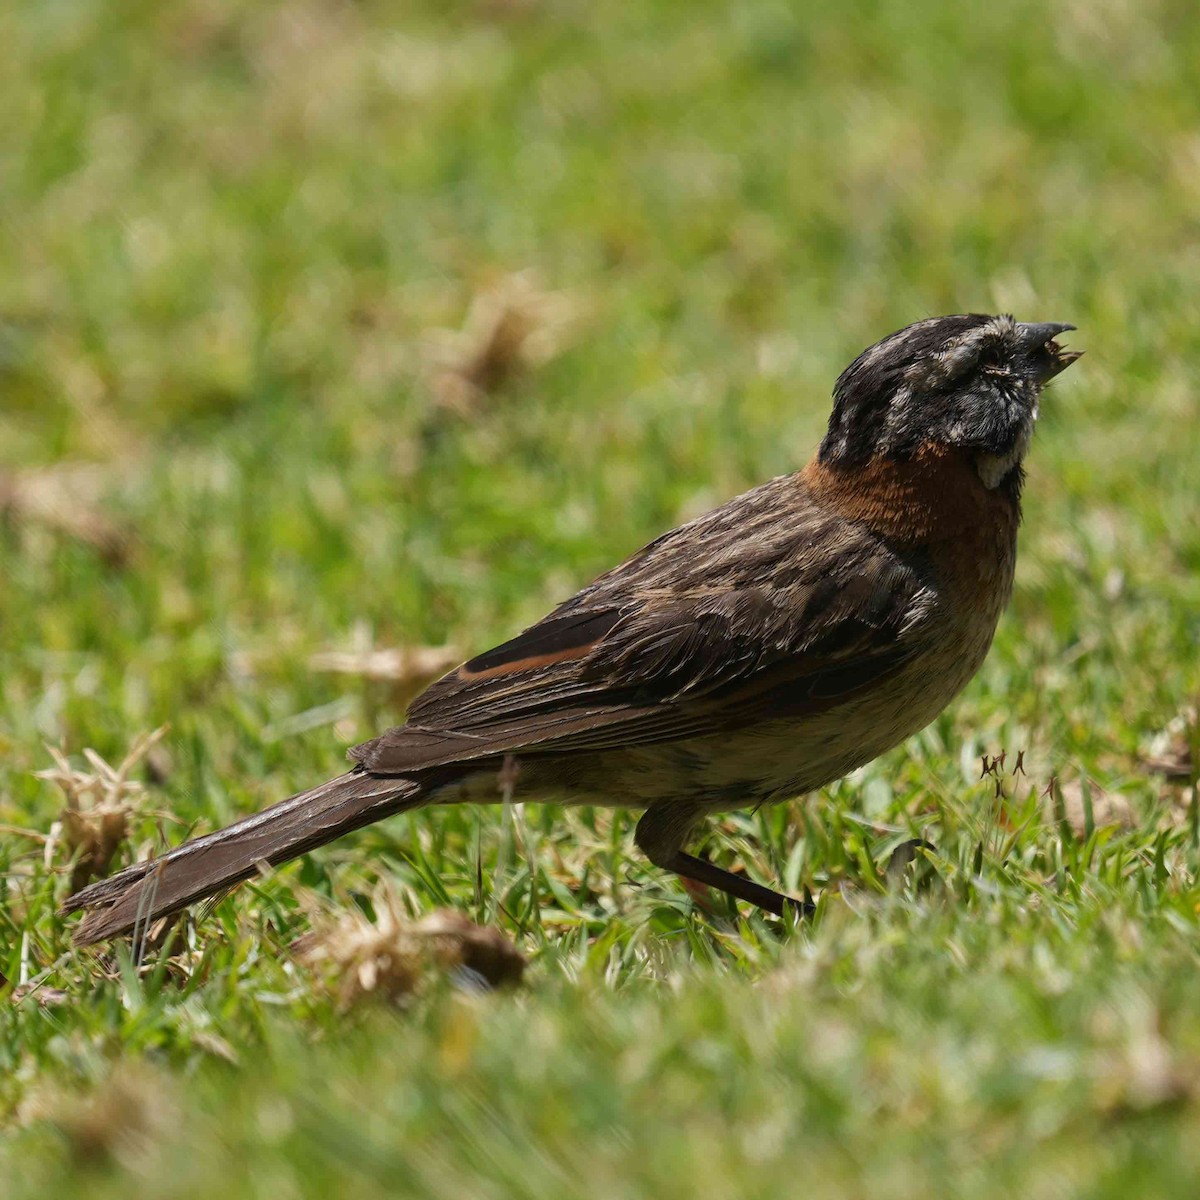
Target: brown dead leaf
pixel 66 499
pixel 94 821
pixel 457 942
pixel 509 327
pixel 390 957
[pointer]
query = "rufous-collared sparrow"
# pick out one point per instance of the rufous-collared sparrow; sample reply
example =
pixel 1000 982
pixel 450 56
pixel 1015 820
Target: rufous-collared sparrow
pixel 755 653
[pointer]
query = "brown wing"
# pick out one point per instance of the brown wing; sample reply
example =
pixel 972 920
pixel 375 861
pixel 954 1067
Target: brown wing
pixel 766 605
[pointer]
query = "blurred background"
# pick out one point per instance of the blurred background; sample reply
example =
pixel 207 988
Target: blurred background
pixel 337 339
pixel 329 315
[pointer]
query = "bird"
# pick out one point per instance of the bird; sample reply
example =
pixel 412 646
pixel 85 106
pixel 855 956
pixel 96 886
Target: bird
pixel 752 655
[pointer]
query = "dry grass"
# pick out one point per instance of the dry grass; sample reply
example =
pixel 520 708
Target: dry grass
pixel 402 671
pixel 390 955
pixel 101 799
pixel 229 231
pixel 511 326
pixel 65 500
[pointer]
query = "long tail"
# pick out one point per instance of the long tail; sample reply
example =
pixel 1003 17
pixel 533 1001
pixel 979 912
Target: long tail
pixel 207 865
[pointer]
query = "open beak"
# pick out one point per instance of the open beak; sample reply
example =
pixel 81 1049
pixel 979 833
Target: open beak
pixel 1051 357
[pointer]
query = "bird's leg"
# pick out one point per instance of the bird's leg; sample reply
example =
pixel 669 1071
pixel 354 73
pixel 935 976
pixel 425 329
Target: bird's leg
pixel 737 886
pixel 660 836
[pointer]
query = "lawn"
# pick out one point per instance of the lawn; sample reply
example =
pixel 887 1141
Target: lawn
pixel 333 335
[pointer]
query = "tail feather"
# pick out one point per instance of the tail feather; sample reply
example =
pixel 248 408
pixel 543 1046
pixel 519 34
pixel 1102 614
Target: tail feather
pixel 207 865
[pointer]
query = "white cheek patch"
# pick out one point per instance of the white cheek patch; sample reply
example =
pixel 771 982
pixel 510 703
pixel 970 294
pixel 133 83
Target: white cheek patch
pixel 994 468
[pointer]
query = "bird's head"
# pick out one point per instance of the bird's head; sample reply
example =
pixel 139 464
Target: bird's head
pixel 970 382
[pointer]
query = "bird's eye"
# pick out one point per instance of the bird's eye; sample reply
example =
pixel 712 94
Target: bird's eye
pixel 991 360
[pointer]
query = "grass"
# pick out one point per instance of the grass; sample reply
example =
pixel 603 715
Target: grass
pixel 326 327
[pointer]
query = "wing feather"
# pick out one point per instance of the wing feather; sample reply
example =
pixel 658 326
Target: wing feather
pixel 733 616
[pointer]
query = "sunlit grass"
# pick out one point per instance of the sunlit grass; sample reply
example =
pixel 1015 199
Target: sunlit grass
pixel 327 326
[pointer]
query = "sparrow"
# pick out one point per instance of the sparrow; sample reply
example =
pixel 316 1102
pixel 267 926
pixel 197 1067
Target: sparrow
pixel 754 654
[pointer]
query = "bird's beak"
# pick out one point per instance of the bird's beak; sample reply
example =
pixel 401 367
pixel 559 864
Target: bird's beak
pixel 1039 338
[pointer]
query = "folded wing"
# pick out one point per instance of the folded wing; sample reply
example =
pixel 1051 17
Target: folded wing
pixel 735 615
